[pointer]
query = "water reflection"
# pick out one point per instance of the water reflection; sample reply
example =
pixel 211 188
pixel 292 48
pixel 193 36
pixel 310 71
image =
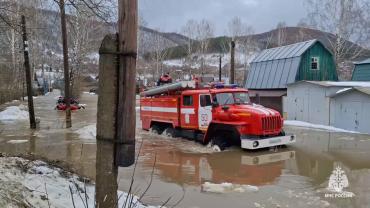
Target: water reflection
pixel 234 166
pixel 318 153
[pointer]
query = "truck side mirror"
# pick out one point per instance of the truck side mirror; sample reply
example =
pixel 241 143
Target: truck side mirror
pixel 215 104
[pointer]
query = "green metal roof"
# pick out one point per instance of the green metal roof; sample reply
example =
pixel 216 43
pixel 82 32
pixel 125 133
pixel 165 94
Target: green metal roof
pixel 274 68
pixel 284 52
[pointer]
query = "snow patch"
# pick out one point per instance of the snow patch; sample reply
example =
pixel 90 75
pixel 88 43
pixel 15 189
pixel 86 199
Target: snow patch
pixel 347 84
pixel 343 90
pixel 93 56
pixel 89 93
pixel 174 62
pixel 14 113
pixel 316 126
pixel 17 141
pixel 227 188
pixel 87 132
pixel 36 184
pixel 34 97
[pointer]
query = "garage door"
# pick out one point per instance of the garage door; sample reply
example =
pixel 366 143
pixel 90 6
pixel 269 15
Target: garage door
pixel 348 115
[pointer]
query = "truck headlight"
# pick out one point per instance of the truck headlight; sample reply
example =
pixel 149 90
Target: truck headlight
pixel 256 143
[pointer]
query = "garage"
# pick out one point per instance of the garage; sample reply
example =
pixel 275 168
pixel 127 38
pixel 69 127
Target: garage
pixel 350 109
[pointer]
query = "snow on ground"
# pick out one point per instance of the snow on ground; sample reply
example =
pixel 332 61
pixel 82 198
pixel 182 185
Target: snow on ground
pixel 25 183
pixel 11 102
pixel 227 188
pixel 316 126
pixel 17 141
pixel 89 93
pixel 212 59
pixel 174 62
pixel 93 56
pixel 14 113
pixel 34 97
pixel 87 132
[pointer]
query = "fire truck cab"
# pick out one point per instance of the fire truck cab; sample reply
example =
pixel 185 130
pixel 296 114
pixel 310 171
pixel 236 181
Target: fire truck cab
pixel 221 114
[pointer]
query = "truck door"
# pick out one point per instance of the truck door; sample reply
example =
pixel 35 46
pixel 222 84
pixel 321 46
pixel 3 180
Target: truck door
pixel 188 112
pixel 205 111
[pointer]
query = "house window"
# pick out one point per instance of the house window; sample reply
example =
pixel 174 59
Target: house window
pixel 188 100
pixel 315 63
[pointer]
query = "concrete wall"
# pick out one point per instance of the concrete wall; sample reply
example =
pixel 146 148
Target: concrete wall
pixel 351 111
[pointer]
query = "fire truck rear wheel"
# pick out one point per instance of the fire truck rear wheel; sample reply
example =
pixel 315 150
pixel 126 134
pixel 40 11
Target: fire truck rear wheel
pixel 156 129
pixel 169 132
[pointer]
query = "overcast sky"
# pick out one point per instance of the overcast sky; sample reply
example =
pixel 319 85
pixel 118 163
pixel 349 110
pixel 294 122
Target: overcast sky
pixel 263 15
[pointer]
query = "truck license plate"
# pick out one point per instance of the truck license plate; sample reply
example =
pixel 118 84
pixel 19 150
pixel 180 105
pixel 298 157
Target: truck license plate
pixel 274 141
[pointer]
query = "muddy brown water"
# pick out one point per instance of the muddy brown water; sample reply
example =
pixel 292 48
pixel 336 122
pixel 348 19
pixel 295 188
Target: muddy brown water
pixel 296 176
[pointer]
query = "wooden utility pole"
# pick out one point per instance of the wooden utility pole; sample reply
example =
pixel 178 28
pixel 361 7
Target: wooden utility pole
pixel 219 70
pixel 232 63
pixel 65 63
pixel 28 75
pixel 106 168
pixel 126 114
pixel 116 117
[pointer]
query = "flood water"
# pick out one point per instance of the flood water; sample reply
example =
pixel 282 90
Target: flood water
pixel 177 169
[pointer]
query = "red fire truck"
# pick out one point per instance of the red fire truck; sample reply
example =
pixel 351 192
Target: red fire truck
pixel 216 113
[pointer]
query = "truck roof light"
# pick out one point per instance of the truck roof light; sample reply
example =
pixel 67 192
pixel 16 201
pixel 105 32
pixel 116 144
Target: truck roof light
pixel 219 86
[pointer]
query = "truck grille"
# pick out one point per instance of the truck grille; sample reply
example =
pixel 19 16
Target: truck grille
pixel 271 123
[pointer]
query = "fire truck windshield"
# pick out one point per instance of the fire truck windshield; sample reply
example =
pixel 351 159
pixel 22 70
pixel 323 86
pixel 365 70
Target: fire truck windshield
pixel 232 98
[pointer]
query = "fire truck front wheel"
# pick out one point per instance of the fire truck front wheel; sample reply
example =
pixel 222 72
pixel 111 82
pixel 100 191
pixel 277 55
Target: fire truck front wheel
pixel 218 143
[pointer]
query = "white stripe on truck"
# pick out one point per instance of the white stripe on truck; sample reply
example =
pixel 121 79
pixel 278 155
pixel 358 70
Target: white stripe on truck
pixel 159 109
pixel 187 111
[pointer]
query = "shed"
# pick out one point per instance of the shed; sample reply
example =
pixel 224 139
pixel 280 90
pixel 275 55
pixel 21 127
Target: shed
pixel 329 103
pixel 350 109
pixel 362 71
pixel 273 69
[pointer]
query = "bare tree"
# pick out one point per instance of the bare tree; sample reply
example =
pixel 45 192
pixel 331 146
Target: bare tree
pixel 190 33
pixel 12 70
pixel 281 37
pixel 235 27
pixel 247 45
pixel 348 20
pixel 159 44
pixel 142 39
pixel 242 33
pixel 204 31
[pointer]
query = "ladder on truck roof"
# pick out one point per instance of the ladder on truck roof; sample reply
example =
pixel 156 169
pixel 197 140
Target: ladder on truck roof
pixel 183 85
